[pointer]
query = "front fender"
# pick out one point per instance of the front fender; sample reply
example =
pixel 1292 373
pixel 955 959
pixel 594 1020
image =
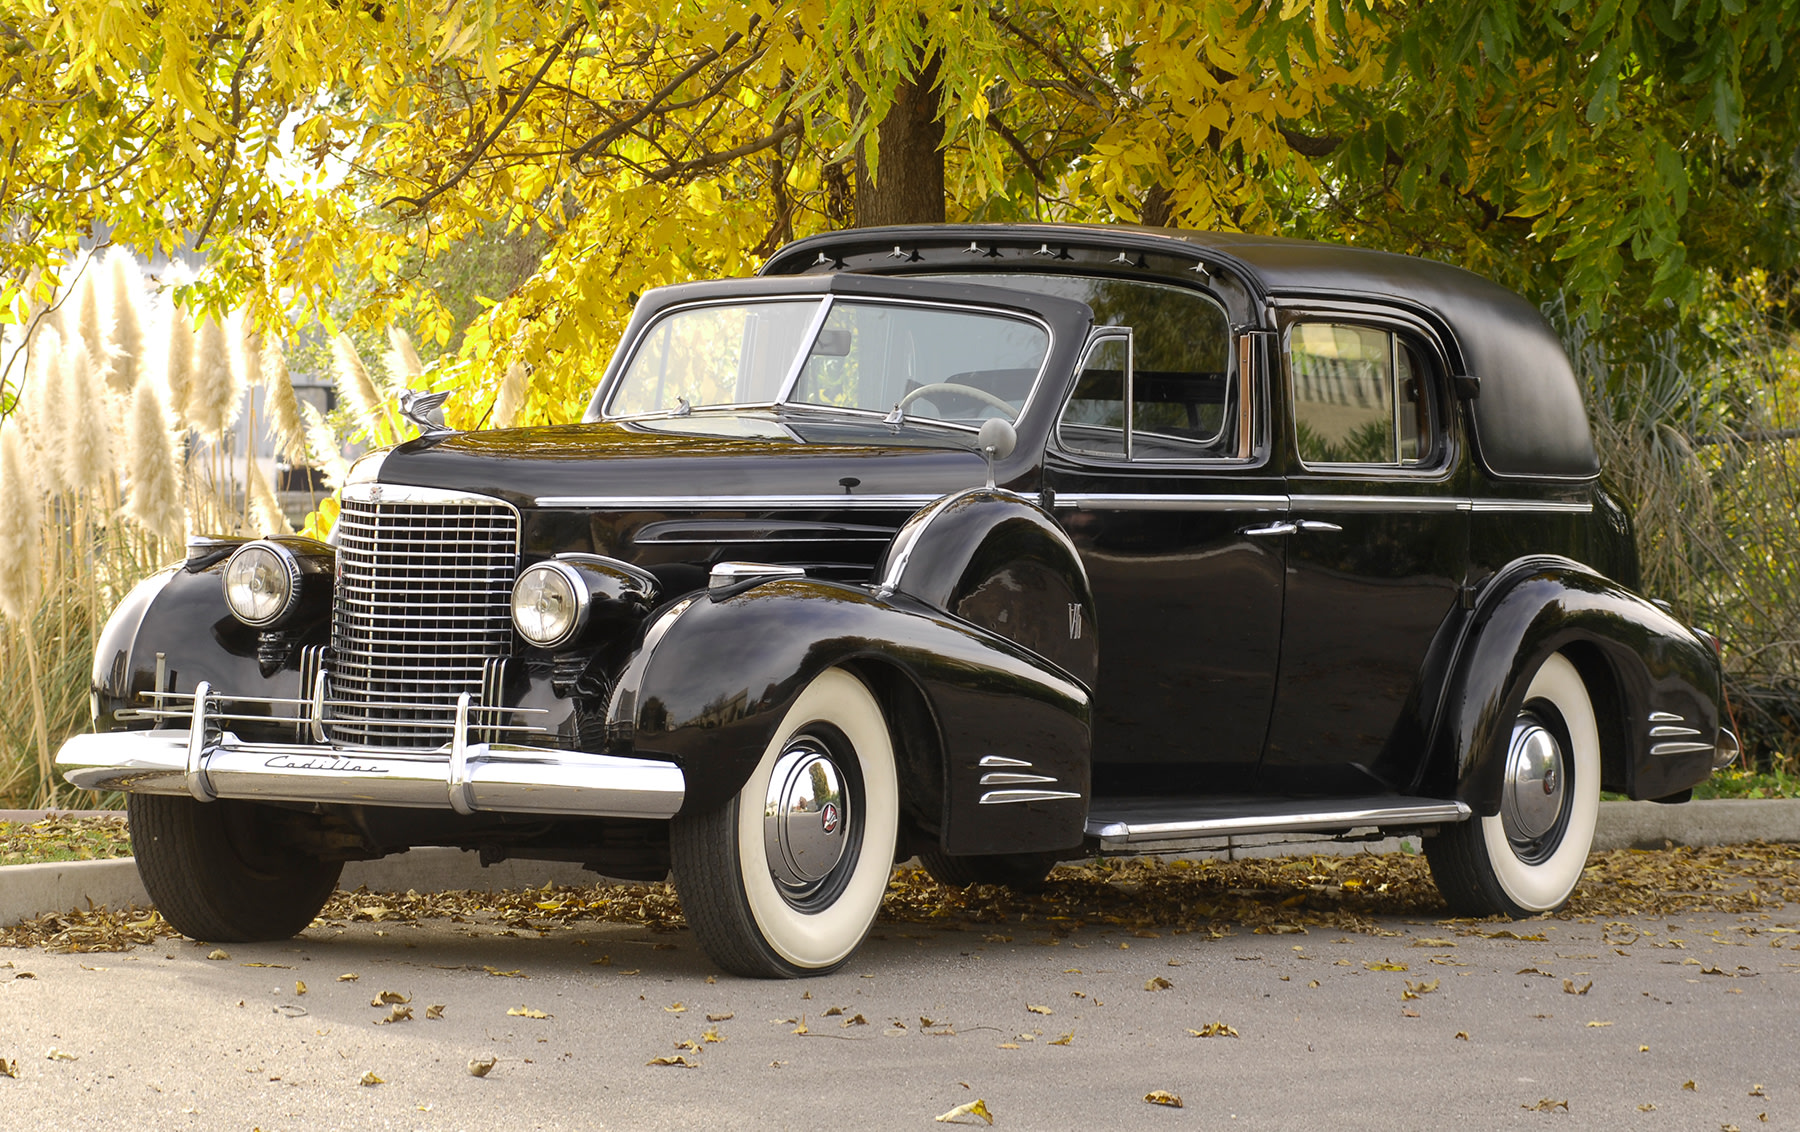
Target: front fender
pixel 996 559
pixel 179 615
pixel 1635 659
pixel 715 677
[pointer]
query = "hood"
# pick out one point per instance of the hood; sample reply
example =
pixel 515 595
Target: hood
pixel 701 457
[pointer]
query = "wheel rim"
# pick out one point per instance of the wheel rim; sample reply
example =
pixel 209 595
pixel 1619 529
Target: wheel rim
pixel 1534 808
pixel 812 819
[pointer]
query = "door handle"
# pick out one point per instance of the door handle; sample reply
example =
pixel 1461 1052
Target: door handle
pixel 1317 526
pixel 1282 528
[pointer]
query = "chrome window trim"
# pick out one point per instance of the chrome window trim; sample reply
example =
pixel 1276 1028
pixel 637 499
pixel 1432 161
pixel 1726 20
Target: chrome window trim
pixel 1394 324
pixel 1504 506
pixel 891 502
pixel 1380 502
pixel 793 377
pixel 1146 501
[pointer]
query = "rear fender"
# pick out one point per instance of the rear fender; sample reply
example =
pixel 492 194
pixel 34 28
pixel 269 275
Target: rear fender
pixel 714 679
pixel 1636 660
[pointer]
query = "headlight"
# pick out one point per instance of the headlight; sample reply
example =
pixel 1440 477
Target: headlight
pixel 549 603
pixel 262 583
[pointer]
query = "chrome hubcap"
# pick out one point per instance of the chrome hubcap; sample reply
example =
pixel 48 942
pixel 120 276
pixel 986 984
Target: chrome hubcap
pixel 1533 798
pixel 806 817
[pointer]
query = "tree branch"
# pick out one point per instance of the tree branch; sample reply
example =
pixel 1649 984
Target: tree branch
pixel 418 203
pixel 619 129
pixel 726 156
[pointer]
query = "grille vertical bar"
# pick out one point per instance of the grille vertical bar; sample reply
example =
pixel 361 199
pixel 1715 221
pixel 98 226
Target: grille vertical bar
pixel 422 608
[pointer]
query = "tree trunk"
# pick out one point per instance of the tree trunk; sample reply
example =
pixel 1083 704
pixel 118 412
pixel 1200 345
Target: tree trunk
pixel 907 184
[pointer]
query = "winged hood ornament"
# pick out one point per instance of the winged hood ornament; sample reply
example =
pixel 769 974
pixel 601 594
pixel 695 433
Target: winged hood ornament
pixel 421 408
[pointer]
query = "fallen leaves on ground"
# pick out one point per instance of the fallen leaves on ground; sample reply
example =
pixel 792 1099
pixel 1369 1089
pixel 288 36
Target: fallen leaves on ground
pixel 1136 894
pixel 526 1012
pixel 1162 1096
pixel 9 1067
pixel 369 1078
pixel 59 837
pixel 1416 990
pixel 396 1013
pixel 677 1060
pixel 1569 987
pixel 388 998
pixel 435 1010
pixel 482 1066
pixel 218 953
pixel 976 1107
pixel 1546 1105
pixel 1214 1030
pixel 54 1054
pixel 1033 1008
pixel 1158 983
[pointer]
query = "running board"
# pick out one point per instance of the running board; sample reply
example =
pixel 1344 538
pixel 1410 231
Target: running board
pixel 1147 823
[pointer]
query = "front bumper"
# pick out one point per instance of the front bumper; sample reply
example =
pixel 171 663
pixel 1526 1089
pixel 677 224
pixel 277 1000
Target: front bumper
pixel 207 762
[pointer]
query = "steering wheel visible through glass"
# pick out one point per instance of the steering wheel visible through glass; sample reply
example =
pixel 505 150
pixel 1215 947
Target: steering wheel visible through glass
pixel 981 395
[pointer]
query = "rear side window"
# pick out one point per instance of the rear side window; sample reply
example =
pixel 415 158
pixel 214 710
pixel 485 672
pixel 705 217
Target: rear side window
pixel 1362 395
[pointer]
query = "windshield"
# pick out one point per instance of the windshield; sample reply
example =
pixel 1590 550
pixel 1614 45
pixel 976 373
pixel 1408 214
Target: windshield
pixel 939 363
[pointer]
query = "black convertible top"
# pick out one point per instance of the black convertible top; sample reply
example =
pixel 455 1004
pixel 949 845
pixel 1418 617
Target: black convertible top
pixel 1529 418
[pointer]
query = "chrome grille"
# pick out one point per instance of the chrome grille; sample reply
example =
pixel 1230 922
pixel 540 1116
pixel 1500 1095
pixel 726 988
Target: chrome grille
pixel 422 611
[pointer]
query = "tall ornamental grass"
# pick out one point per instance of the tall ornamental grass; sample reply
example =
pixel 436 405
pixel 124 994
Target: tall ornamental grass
pixel 119 441
pixel 1699 432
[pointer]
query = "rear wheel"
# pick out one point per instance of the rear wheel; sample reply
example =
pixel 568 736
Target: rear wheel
pixel 785 879
pixel 1528 857
pixel 216 872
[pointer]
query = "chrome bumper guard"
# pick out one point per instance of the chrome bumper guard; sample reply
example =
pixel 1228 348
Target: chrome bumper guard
pixel 207 761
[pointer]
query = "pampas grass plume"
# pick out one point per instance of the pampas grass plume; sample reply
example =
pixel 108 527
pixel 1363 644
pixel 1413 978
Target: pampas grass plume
pixel 125 347
pixel 510 401
pixel 282 404
pixel 265 508
pixel 212 402
pixel 21 578
pixel 84 448
pixel 90 318
pixel 178 360
pixel 358 388
pixel 402 360
pixel 327 454
pixel 37 411
pixel 153 498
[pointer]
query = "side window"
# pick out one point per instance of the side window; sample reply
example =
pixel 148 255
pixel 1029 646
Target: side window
pixel 1361 396
pixel 1094 421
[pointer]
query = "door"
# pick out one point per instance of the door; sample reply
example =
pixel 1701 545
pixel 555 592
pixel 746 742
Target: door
pixel 1157 468
pixel 1376 559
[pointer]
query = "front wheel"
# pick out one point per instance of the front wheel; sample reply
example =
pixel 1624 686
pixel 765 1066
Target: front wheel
pixel 216 871
pixel 1528 857
pixel 785 879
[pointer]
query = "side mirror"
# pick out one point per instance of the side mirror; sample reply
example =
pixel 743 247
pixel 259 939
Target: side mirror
pixel 996 440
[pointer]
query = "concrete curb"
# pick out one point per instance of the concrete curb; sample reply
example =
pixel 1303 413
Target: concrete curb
pixel 31 890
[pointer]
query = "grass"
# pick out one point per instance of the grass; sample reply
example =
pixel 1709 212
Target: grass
pixel 1734 783
pixel 63 839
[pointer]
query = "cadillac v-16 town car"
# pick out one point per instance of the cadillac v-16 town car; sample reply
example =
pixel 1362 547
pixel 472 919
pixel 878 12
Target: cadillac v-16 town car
pixel 990 545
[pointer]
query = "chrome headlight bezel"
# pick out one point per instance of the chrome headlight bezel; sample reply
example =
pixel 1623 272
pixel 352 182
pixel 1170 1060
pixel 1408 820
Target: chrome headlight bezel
pixel 286 568
pixel 575 592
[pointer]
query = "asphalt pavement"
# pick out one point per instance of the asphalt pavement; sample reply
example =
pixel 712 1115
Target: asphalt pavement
pixel 1677 1022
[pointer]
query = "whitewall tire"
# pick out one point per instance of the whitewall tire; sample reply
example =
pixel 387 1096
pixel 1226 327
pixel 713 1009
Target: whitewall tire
pixel 1528 857
pixel 786 878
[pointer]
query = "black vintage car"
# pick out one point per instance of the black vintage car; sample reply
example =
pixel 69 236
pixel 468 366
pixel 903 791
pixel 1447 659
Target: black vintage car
pixel 993 545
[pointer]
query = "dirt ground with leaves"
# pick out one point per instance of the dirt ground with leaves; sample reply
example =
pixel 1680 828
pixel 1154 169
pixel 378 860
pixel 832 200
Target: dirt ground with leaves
pixel 1314 992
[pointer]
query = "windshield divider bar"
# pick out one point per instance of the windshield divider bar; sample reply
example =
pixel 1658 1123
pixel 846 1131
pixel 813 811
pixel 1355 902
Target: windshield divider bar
pixel 805 351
